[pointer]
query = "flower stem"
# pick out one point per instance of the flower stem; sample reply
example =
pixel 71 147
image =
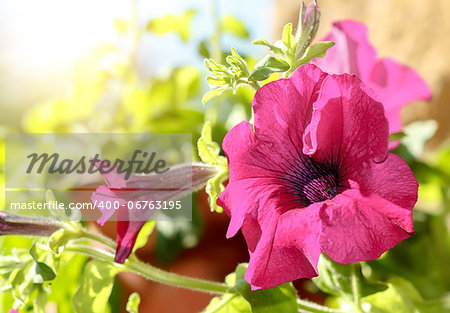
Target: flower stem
pixel 356 287
pixel 307 306
pixel 164 277
pixel 146 270
pixel 254 84
pixel 99 238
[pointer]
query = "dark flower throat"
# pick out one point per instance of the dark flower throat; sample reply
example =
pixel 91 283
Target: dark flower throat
pixel 314 182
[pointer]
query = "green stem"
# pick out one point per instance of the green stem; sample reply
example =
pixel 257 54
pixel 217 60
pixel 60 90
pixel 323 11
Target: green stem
pixel 90 252
pixel 307 306
pixel 356 287
pixel 168 278
pixel 99 238
pixel 146 270
pixel 254 84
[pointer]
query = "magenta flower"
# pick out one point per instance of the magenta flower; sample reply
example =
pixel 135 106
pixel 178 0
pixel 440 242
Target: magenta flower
pixel 315 176
pixel 173 184
pixel 395 84
pixel 13 311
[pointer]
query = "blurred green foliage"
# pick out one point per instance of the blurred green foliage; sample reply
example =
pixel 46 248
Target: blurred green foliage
pixel 109 95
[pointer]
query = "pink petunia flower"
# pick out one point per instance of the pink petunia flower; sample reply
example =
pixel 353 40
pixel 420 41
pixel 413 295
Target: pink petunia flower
pixel 315 176
pixel 395 84
pixel 13 311
pixel 176 182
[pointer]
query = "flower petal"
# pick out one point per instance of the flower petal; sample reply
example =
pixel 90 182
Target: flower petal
pixel 257 173
pixel 288 248
pixel 347 126
pixel 283 107
pixel 352 52
pixel 397 85
pixel 127 232
pixel 353 229
pixel 393 186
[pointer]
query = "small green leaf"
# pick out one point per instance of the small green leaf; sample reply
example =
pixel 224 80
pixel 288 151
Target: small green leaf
pixel 209 153
pixel 211 94
pixel 216 80
pixel 43 273
pixel 214 67
pixel 267 66
pixel 143 235
pixel 214 188
pixel 170 23
pixel 228 303
pixel 264 42
pixel 42 270
pixel 236 61
pixel 317 50
pixel 234 26
pixel 95 287
pixel 133 303
pixel 396 136
pixel 288 39
pixel 282 298
pixel 209 150
pixel 40 301
pixel 335 279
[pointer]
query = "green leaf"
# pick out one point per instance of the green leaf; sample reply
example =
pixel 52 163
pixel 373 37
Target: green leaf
pixel 288 38
pixel 267 66
pixel 214 188
pixel 95 287
pixel 234 26
pixel 143 235
pixel 214 67
pixel 335 279
pixel 396 136
pixel 209 150
pixel 317 50
pixel 216 80
pixel 211 94
pixel 237 61
pixel 170 23
pixel 264 42
pixel 402 297
pixel 66 283
pixel 42 270
pixel 228 303
pixel 40 301
pixel 133 303
pixel 43 273
pixel 282 298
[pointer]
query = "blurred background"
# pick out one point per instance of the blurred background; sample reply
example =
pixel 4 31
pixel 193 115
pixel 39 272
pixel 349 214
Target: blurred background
pixel 137 66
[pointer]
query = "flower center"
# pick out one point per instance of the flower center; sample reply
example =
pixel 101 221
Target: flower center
pixel 314 182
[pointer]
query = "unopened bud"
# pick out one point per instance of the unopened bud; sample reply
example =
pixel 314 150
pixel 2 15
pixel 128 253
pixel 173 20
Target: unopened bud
pixel 11 224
